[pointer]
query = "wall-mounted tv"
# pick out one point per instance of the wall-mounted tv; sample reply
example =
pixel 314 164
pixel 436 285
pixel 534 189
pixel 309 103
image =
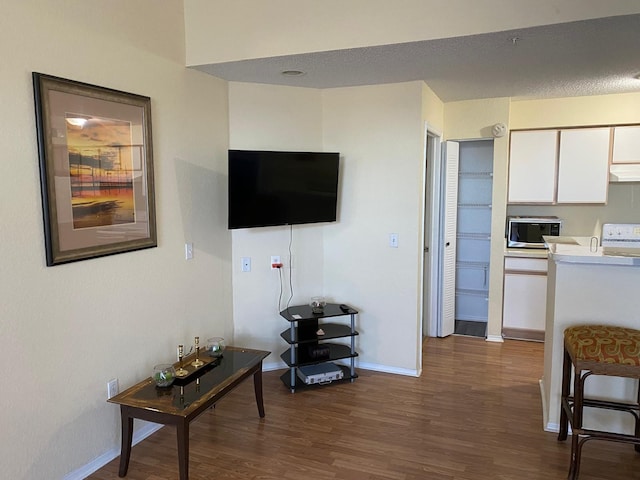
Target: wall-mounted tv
pixel 269 188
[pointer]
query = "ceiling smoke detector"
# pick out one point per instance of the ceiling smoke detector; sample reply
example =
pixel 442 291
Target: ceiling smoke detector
pixel 499 130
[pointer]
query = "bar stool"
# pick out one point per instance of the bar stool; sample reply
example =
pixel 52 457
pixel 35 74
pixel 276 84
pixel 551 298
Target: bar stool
pixel 596 350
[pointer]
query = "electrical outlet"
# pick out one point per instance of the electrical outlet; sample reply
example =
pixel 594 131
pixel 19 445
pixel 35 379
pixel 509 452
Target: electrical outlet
pixel 112 388
pixel 188 251
pixel 276 263
pixel 246 264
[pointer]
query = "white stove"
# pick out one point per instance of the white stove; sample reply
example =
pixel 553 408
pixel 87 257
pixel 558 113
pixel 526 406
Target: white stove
pixel 621 239
pixel 621 235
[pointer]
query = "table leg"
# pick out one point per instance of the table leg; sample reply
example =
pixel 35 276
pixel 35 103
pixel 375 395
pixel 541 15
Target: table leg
pixel 257 386
pixel 183 449
pixel 127 436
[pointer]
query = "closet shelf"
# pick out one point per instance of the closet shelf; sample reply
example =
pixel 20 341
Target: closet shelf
pixel 474 236
pixel 474 293
pixel 469 264
pixel 474 205
pixel 487 175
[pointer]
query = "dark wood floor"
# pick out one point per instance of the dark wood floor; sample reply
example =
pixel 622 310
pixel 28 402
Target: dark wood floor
pixel 474 414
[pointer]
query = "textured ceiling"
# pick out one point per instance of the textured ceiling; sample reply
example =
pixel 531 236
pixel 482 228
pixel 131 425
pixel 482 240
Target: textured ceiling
pixel 590 57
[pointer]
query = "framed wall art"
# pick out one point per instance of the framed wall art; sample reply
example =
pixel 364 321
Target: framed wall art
pixel 96 169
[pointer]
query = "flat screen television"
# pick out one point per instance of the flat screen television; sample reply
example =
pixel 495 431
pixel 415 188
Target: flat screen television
pixel 269 188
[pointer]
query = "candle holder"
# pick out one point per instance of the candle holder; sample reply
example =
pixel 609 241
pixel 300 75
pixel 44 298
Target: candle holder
pixel 180 371
pixel 197 362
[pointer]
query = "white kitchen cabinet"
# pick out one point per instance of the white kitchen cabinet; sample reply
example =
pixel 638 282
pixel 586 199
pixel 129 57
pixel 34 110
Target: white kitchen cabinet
pixel 532 166
pixel 626 144
pixel 583 165
pixel 559 166
pixel 524 298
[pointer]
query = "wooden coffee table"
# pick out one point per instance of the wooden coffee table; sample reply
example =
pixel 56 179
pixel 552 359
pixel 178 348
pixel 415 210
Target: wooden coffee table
pixel 187 398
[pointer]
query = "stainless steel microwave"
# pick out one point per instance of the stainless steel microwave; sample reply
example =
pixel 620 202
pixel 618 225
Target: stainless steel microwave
pixel 527 232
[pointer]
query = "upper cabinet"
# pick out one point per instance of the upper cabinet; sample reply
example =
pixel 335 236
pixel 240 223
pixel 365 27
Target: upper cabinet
pixel 532 166
pixel 559 166
pixel 583 165
pixel 626 144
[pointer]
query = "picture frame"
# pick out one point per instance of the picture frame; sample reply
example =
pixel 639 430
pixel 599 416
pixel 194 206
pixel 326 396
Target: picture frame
pixel 96 169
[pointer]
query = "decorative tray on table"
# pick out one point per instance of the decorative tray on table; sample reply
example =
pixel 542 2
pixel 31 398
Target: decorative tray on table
pixel 193 372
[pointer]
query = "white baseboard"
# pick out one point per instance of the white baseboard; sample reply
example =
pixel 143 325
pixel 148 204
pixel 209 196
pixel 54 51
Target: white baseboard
pixel 97 463
pixel 543 397
pixel 267 367
pixel 495 338
pixel 554 427
pixel 386 369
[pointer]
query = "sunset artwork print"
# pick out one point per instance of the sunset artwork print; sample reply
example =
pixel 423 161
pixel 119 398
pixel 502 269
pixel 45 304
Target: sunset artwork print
pixel 101 171
pixel 96 169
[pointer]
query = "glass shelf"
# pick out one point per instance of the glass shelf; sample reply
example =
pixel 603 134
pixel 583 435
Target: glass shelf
pixel 336 352
pixel 299 384
pixel 331 331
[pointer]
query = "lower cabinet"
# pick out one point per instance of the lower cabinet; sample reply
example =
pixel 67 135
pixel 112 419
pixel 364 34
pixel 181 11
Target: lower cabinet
pixel 524 298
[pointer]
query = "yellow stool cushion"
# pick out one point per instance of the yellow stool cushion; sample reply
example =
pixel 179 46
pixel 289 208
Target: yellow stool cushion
pixel 603 344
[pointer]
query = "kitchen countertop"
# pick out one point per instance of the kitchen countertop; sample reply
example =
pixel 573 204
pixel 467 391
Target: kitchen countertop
pixel 586 250
pixel 525 252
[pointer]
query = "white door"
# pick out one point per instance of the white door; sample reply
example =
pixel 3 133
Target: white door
pixel 432 248
pixel 446 324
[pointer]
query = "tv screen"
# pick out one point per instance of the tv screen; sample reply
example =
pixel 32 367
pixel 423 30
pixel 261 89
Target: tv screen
pixel 269 188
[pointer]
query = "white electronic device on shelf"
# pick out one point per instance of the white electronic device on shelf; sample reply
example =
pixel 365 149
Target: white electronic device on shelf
pixel 321 373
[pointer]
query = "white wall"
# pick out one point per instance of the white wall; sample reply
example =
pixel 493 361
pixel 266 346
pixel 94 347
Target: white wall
pixel 432 110
pixel 220 31
pixel 380 132
pixel 473 120
pixel 66 330
pixel 264 117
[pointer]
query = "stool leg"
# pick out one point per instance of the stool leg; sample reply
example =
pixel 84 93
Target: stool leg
pixel 576 425
pixel 637 432
pixel 566 390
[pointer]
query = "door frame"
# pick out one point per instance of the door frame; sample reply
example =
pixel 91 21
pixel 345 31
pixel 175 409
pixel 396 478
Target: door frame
pixel 430 299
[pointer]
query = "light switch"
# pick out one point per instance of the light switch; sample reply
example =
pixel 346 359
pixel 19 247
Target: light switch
pixel 393 240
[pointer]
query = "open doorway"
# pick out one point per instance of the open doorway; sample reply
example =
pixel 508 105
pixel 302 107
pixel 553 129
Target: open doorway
pixel 457 225
pixel 473 237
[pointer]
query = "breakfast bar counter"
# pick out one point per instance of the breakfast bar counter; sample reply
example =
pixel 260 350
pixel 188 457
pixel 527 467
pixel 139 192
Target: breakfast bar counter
pixel 588 285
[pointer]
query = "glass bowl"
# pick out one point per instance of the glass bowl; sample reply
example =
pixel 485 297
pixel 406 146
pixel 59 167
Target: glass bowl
pixel 164 374
pixel 317 304
pixel 215 346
